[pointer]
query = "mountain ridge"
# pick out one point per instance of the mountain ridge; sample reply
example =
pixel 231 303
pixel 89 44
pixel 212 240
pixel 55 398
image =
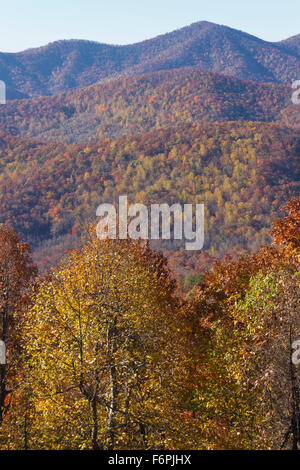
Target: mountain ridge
pixel 69 64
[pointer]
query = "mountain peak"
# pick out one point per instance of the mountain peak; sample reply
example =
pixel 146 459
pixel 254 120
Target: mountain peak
pixel 67 64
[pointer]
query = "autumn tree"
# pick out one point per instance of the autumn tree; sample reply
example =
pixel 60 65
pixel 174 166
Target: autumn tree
pixel 248 385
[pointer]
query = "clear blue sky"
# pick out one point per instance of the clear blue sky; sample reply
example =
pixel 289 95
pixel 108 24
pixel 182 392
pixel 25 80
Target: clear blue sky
pixel 32 23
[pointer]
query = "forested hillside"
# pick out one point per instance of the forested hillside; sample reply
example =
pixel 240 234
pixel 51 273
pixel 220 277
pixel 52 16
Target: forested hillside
pixel 144 103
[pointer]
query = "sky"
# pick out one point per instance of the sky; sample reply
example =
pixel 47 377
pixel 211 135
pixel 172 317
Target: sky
pixel 33 23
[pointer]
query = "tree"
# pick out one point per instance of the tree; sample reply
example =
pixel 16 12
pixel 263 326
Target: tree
pixel 271 304
pixel 286 231
pixel 16 274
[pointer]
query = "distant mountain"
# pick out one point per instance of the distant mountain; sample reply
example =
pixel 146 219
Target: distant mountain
pixel 143 103
pixel 65 65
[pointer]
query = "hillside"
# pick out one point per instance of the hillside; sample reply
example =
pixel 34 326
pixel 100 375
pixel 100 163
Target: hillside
pixel 293 44
pixel 65 65
pixel 142 104
pixel 243 172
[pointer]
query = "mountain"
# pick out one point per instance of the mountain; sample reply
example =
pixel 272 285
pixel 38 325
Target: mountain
pixel 292 44
pixel 142 104
pixel 65 65
pixel 243 173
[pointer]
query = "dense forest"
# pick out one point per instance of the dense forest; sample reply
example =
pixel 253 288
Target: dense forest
pixel 104 352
